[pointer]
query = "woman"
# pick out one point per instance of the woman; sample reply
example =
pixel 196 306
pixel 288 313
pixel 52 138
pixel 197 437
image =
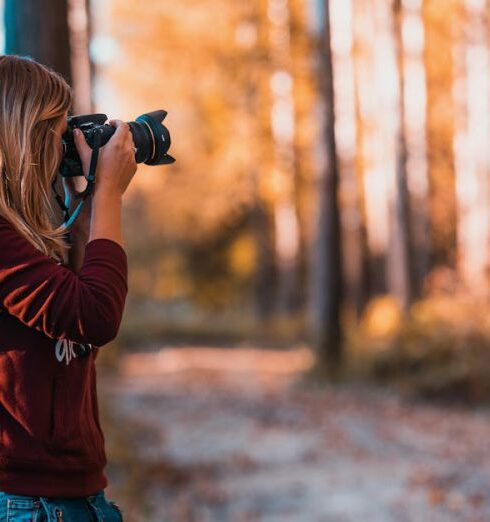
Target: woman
pixel 60 301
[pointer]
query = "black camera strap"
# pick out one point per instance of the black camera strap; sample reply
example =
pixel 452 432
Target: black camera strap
pixel 65 205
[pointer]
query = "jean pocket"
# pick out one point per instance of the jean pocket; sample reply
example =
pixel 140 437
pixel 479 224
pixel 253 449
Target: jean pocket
pixel 23 509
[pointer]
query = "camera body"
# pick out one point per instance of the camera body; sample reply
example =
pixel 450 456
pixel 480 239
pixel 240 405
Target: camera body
pixel 151 139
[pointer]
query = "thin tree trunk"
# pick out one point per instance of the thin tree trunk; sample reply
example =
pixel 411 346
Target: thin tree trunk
pixel 401 273
pixel 327 272
pixel 266 271
pixel 414 126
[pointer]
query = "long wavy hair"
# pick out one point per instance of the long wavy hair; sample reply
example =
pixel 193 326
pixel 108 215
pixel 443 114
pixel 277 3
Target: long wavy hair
pixel 33 101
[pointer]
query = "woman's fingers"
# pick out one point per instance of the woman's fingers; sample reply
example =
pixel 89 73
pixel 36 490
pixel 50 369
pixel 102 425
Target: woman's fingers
pixel 81 144
pixel 123 134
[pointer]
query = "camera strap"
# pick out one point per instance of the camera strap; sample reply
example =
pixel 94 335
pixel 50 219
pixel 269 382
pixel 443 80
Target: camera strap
pixel 65 205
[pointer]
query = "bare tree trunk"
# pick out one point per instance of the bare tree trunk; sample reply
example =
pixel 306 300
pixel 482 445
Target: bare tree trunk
pixel 365 286
pixel 266 271
pixel 327 270
pixel 401 273
pixel 35 29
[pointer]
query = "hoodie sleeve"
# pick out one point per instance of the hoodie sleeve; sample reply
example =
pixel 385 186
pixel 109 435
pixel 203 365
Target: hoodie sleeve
pixel 44 295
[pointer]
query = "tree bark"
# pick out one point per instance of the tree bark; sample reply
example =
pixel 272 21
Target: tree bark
pixel 327 271
pixel 40 31
pixel 401 272
pixel 266 271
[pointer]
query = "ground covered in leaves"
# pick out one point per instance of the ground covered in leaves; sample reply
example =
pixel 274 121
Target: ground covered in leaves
pixel 217 435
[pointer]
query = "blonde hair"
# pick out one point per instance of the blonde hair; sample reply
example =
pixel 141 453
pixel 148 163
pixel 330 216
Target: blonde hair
pixel 33 101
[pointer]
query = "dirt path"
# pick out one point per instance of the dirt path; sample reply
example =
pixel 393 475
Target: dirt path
pixel 242 440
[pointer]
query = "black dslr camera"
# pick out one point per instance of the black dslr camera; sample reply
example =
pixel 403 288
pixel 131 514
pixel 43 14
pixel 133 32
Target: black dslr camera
pixel 151 139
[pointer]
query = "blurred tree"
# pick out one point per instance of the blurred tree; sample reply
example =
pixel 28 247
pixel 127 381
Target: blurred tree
pixel 327 269
pixel 81 66
pixel 439 66
pixel 348 137
pixel 413 100
pixel 401 273
pixel 370 262
pixel 372 150
pixel 283 124
pixel 33 29
pixel 303 72
pixel 257 81
pixel 57 37
pixel 42 34
pixel 472 153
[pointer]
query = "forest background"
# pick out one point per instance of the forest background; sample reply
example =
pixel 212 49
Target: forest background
pixel 332 182
pixel 327 221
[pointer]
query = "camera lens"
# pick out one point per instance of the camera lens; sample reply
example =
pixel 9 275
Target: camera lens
pixel 151 138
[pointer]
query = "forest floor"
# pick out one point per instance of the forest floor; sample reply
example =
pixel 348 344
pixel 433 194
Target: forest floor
pixel 216 435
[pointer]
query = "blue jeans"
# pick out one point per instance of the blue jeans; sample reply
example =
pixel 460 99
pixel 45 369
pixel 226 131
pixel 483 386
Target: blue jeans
pixel 94 508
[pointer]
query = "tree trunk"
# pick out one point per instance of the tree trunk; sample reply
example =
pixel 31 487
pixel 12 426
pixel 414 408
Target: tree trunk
pixel 327 271
pixel 413 102
pixel 266 270
pixel 401 273
pixel 35 29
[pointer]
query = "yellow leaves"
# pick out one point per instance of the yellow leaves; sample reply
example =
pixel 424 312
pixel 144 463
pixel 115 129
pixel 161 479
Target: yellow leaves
pixel 164 279
pixel 139 280
pixel 243 256
pixel 382 318
pixel 170 281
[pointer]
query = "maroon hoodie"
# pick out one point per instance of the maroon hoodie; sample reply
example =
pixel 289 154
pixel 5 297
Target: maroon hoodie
pixel 52 322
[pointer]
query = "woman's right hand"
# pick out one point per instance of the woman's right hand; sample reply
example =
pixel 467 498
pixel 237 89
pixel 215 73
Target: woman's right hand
pixel 116 164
